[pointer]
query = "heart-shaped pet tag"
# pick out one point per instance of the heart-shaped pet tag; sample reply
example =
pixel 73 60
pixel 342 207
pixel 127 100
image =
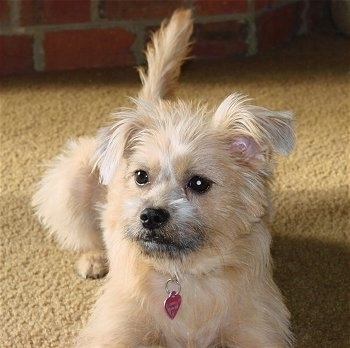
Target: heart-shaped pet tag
pixel 172 304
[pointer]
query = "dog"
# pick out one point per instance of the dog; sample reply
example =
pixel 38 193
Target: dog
pixel 172 200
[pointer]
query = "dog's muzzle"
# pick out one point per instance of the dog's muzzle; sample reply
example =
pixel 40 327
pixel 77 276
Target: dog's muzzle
pixel 153 218
pixel 159 237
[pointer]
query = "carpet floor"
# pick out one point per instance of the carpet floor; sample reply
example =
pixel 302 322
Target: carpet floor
pixel 44 302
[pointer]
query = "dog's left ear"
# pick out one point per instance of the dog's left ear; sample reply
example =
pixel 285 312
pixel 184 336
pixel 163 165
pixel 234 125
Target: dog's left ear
pixel 253 133
pixel 113 143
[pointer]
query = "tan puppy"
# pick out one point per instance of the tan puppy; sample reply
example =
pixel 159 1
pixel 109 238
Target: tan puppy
pixel 181 208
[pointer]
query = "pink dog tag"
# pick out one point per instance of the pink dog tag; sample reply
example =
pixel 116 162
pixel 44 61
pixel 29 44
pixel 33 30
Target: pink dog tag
pixel 172 304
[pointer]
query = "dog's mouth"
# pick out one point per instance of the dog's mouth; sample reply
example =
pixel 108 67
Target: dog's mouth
pixel 160 246
pixel 156 243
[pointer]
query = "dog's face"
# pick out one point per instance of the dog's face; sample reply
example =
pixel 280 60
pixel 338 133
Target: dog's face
pixel 185 181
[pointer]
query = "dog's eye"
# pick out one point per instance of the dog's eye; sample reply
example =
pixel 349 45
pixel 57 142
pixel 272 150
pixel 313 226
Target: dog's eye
pixel 141 177
pixel 199 184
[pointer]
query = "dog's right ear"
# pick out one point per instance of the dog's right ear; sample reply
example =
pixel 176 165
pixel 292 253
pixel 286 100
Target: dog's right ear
pixel 113 142
pixel 254 133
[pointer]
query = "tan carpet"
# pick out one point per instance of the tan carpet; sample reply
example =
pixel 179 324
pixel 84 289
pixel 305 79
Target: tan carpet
pixel 43 301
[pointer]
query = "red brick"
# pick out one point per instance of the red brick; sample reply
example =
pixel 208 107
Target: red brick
pixel 135 9
pixel 16 54
pixel 35 12
pixel 88 48
pixel 4 10
pixel 263 4
pixel 210 7
pixel 278 26
pixel 220 39
pixel 317 13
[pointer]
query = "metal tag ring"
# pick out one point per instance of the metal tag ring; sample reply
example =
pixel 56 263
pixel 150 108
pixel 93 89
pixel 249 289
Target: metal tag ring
pixel 172 280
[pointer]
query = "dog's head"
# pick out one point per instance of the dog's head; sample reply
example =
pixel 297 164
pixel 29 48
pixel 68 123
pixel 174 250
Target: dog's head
pixel 184 180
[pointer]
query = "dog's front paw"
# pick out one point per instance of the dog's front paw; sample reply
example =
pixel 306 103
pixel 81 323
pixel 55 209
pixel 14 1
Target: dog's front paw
pixel 92 264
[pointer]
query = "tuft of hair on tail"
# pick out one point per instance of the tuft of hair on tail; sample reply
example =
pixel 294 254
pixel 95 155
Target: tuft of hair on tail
pixel 165 53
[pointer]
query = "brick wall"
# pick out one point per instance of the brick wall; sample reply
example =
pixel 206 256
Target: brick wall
pixel 47 35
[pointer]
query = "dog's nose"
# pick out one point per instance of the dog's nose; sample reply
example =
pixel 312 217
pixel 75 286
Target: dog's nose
pixel 152 218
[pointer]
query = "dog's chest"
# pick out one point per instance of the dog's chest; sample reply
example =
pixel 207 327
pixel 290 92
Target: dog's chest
pixel 200 318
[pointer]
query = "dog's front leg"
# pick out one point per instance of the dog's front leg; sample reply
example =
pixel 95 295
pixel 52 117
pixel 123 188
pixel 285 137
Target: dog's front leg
pixel 93 337
pixel 121 345
pixel 256 337
pixel 120 320
pixel 92 264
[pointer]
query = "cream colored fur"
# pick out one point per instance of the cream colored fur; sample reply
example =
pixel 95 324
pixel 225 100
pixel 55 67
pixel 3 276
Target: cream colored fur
pixel 165 53
pixel 229 298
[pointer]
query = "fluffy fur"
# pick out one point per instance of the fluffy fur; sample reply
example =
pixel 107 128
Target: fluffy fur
pixel 215 241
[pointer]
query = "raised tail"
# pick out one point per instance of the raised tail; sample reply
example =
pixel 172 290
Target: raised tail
pixel 165 53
